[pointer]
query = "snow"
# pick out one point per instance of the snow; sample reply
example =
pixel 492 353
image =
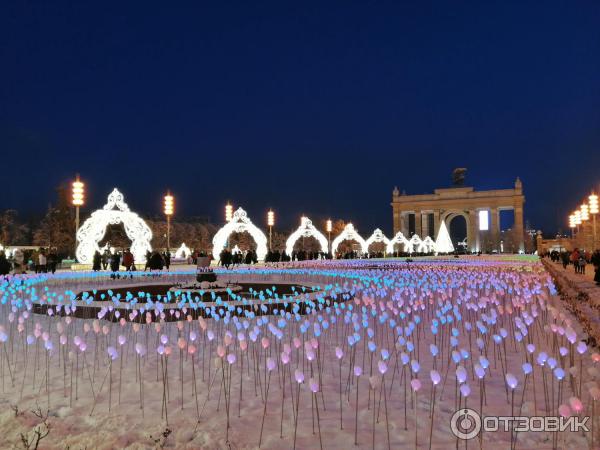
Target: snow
pixel 480 288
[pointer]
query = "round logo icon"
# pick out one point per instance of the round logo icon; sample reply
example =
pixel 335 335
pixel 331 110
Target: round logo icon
pixel 465 424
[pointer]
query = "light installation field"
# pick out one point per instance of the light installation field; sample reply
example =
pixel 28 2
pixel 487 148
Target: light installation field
pixel 317 354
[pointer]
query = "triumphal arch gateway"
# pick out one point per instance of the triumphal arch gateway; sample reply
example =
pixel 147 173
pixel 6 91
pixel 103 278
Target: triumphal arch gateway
pixel 423 214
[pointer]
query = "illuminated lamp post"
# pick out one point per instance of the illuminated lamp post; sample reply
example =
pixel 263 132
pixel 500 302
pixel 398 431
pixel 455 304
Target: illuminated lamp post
pixel 578 221
pixel 169 209
pixel 271 223
pixel 228 217
pixel 329 227
pixel 78 198
pixel 593 199
pixel 585 216
pixel 572 224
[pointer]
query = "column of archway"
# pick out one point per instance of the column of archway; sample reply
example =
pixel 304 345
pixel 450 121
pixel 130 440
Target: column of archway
pixel 436 223
pixel 473 231
pixel 518 211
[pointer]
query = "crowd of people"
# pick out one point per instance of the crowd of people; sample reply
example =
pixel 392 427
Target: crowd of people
pixel 42 260
pixel 113 261
pixel 579 259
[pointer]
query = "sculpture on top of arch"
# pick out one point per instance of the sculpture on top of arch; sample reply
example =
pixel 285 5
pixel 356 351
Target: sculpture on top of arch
pixel 349 234
pixel 239 223
pixel 306 229
pixel 378 236
pixel 114 212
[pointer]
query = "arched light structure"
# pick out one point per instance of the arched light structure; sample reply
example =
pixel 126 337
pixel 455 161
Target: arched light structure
pixel 306 229
pixel 415 243
pixel 349 234
pixel 114 212
pixel 399 239
pixel 240 223
pixel 378 236
pixel 428 245
pixel 183 252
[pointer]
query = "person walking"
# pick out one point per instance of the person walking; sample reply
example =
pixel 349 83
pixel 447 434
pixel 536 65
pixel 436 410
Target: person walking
pixel 97 261
pixel 128 260
pixel 167 258
pixel 42 262
pixel 115 262
pixel 596 264
pixel 52 260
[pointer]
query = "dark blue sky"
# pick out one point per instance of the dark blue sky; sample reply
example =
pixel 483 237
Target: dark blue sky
pixel 303 107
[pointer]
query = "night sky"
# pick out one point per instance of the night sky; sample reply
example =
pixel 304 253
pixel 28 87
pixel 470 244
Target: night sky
pixel 302 107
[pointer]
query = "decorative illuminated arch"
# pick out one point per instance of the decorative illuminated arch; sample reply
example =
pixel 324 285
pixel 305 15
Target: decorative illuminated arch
pixel 183 252
pixel 238 224
pixel 349 234
pixel 378 236
pixel 399 239
pixel 428 245
pixel 415 242
pixel 115 211
pixel 306 229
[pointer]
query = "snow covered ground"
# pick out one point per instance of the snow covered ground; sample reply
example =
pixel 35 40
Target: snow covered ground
pixel 107 384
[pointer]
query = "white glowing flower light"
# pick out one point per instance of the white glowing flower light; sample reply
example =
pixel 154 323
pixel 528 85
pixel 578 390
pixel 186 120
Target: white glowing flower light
pixel 183 252
pixel 306 229
pixel 443 243
pixel 114 212
pixel 399 239
pixel 378 236
pixel 240 223
pixel 349 234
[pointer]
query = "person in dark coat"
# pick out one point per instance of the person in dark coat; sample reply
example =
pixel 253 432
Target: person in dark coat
pixel 167 258
pixel 596 264
pixel 115 262
pixel 4 264
pixel 97 261
pixel 127 259
pixel 52 260
pixel 156 261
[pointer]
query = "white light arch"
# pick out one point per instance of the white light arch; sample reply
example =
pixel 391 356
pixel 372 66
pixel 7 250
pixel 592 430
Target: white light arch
pixel 183 252
pixel 415 242
pixel 306 229
pixel 238 224
pixel 378 236
pixel 399 239
pixel 349 234
pixel 428 245
pixel 115 211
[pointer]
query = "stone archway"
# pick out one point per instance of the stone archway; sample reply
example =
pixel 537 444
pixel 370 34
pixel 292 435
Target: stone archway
pixel 449 216
pixel 114 212
pixel 240 223
pixel 306 229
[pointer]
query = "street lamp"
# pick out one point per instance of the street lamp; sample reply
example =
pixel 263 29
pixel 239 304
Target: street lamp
pixel 169 209
pixel 78 198
pixel 329 227
pixel 593 199
pixel 572 224
pixel 271 223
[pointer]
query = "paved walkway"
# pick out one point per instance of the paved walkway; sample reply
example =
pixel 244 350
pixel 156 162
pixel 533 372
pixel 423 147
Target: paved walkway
pixel 580 294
